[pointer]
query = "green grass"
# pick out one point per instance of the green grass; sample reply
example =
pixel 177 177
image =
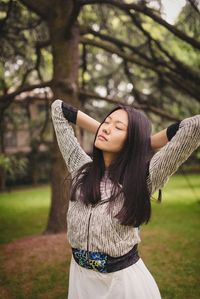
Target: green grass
pixel 23 213
pixel 170 244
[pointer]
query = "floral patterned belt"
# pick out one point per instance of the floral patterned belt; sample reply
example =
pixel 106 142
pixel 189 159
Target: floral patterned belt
pixel 104 263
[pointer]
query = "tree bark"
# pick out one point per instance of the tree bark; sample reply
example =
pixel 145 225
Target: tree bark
pixel 2 179
pixel 2 150
pixel 65 77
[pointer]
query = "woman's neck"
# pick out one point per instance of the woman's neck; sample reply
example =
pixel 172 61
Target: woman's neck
pixel 108 158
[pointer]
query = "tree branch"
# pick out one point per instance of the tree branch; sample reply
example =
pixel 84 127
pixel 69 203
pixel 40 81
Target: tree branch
pixel 179 69
pixel 40 7
pixel 92 95
pixel 172 77
pixel 115 41
pixel 143 98
pixel 148 12
pixel 6 99
pixel 111 49
pixel 194 5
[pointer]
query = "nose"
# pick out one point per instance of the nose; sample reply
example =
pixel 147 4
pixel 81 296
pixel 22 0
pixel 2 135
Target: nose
pixel 107 129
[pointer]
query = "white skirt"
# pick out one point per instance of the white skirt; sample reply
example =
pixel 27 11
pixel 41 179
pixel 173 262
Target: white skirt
pixel 134 282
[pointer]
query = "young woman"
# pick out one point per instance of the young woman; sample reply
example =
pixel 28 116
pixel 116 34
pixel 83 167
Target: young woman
pixel 110 196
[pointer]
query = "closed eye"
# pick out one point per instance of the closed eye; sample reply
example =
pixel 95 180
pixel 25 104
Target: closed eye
pixel 106 122
pixel 119 128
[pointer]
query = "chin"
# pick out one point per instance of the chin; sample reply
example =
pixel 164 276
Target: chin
pixel 98 146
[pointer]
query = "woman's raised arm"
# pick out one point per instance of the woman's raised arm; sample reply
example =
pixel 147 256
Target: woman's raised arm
pixel 161 138
pixel 70 148
pixel 84 121
pixel 88 123
pixel 80 118
pixel 167 160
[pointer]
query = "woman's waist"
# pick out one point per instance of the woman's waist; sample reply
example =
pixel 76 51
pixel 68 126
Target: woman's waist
pixel 102 262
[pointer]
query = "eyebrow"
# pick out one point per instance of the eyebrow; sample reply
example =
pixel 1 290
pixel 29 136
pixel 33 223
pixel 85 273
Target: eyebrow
pixel 118 121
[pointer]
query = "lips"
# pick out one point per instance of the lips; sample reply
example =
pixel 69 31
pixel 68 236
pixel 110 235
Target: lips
pixel 101 137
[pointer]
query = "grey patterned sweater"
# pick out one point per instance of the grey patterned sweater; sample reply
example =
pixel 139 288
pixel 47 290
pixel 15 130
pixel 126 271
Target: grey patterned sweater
pixel 96 229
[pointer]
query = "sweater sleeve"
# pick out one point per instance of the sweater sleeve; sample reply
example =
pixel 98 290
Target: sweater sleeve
pixel 166 161
pixel 69 112
pixel 172 129
pixel 70 148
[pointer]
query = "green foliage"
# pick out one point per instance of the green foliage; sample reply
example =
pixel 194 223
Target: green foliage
pixel 19 60
pixel 14 166
pixel 27 56
pixel 105 71
pixel 189 21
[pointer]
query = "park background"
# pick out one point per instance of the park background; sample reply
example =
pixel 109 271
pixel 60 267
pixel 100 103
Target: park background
pixel 93 55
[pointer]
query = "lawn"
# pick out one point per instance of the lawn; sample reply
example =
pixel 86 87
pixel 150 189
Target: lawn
pixel 37 266
pixel 23 213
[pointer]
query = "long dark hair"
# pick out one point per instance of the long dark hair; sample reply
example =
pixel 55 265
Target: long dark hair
pixel 129 169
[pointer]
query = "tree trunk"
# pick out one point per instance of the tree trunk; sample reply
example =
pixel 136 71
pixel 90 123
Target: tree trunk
pixel 2 150
pixel 65 54
pixel 2 179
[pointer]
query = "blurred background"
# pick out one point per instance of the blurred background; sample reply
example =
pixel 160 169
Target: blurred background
pixel 93 55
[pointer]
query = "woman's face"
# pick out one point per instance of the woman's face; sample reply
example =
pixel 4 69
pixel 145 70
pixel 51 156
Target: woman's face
pixel 112 133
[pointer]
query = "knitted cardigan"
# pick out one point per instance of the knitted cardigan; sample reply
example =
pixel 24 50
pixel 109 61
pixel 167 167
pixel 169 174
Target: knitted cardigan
pixel 95 228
